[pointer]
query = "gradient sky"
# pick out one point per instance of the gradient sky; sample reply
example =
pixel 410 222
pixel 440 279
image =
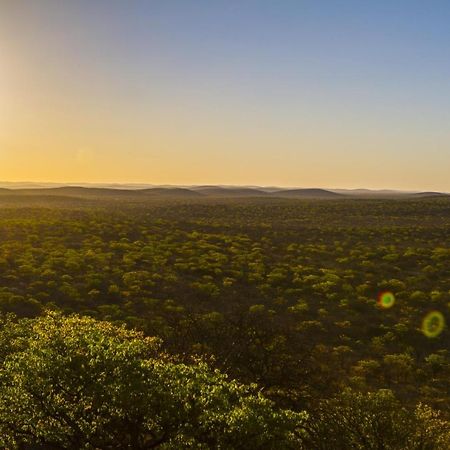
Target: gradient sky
pixel 283 92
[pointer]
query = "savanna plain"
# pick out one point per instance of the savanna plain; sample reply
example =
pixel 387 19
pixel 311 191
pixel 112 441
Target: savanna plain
pixel 235 323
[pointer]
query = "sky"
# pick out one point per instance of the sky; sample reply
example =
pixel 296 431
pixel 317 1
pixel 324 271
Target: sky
pixel 337 94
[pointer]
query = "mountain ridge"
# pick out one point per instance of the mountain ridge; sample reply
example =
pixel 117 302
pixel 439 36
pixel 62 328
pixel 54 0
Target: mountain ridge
pixel 204 191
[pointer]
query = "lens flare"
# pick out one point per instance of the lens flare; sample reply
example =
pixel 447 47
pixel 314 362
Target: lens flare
pixel 386 300
pixel 433 324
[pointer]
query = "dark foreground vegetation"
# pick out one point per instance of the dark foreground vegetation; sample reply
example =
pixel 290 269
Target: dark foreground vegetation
pixel 277 292
pixel 75 382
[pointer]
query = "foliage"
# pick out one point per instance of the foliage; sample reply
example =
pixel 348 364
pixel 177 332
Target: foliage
pixel 375 420
pixel 282 293
pixel 78 383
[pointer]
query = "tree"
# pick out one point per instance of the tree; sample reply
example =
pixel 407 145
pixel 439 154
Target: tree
pixel 374 421
pixel 74 382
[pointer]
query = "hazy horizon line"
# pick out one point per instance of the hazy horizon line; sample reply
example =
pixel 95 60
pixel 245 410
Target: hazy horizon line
pixel 223 185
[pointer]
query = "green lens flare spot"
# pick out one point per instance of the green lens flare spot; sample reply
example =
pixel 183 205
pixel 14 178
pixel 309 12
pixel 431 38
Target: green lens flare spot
pixel 433 324
pixel 386 300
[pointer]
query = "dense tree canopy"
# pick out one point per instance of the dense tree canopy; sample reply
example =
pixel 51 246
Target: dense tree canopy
pixel 304 298
pixel 373 421
pixel 78 383
pixel 74 382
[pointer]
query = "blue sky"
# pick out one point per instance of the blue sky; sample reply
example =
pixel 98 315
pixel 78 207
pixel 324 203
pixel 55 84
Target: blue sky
pixel 294 93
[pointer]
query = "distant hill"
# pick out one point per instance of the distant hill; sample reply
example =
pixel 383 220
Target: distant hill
pixel 429 194
pixel 306 193
pixel 386 193
pixel 369 192
pixel 96 192
pixel 218 191
pixel 170 192
pixel 73 191
pixel 142 192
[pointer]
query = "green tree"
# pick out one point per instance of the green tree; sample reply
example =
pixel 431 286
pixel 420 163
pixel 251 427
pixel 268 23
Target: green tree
pixel 73 382
pixel 374 421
